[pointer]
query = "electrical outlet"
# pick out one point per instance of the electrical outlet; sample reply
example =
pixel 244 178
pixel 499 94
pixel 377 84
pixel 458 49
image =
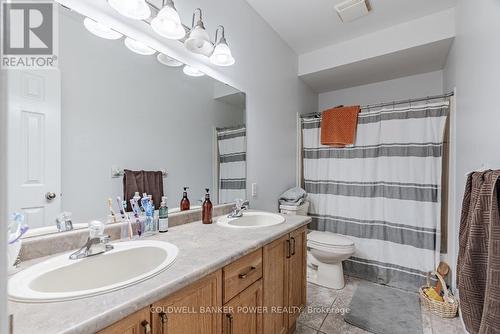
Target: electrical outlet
pixel 254 189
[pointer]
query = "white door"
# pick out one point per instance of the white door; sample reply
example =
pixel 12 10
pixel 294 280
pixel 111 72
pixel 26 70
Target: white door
pixel 34 144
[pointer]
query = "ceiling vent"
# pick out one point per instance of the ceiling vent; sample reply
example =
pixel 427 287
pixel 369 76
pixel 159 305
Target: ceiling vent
pixel 352 9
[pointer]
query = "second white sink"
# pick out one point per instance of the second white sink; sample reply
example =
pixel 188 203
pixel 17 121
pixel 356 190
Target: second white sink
pixel 60 278
pixel 252 219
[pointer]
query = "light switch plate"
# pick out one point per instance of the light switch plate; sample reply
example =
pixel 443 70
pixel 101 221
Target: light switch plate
pixel 254 189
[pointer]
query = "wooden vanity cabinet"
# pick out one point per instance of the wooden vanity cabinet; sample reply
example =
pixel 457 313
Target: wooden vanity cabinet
pixel 192 310
pixel 297 274
pixel 243 313
pixel 284 281
pixel 136 323
pixel 262 292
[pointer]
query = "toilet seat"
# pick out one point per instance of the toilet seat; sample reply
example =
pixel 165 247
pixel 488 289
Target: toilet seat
pixel 330 248
pixel 329 240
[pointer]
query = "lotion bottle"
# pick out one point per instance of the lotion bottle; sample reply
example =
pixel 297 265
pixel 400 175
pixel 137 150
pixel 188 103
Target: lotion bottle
pixel 185 205
pixel 206 211
pixel 163 215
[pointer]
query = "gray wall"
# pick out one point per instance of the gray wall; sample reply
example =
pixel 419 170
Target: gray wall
pixel 473 67
pixel 126 110
pixel 414 86
pixel 266 69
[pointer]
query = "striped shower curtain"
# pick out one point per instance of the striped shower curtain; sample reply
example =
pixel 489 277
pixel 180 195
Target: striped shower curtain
pixel 232 163
pixel 384 192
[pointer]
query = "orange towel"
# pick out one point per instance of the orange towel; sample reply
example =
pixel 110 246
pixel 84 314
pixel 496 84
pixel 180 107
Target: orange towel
pixel 338 126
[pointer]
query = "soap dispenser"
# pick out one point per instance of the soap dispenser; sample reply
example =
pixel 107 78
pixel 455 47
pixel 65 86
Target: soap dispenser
pixel 185 205
pixel 206 213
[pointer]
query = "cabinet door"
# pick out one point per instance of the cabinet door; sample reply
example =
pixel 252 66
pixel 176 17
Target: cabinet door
pixel 137 323
pixel 243 313
pixel 297 274
pixel 275 282
pixel 193 310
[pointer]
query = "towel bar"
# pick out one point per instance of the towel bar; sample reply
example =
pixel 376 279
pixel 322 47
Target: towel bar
pixel 119 172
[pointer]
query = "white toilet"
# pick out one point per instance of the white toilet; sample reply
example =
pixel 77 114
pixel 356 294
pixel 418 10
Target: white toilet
pixel 326 252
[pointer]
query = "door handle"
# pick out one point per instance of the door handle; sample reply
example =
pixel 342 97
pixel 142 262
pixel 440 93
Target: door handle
pixel 243 276
pixel 50 196
pixel 229 317
pixel 146 326
pixel 163 320
pixel 293 247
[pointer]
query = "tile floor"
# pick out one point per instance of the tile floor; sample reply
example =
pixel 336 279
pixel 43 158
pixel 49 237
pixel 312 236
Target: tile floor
pixel 317 320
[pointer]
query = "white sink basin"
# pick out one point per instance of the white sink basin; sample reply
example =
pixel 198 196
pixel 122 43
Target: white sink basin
pixel 252 219
pixel 60 279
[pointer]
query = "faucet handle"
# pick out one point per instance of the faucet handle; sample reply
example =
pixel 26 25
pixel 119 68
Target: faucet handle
pixel 96 229
pixel 241 204
pixel 238 202
pixel 105 239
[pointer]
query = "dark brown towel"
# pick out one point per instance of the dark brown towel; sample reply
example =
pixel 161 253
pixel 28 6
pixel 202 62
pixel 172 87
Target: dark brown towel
pixel 338 126
pixel 148 182
pixel 478 266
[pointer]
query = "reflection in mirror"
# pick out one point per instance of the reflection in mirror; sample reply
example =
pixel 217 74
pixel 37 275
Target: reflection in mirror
pixel 75 130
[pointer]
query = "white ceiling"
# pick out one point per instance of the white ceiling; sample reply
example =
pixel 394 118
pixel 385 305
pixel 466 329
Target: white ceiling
pixel 312 24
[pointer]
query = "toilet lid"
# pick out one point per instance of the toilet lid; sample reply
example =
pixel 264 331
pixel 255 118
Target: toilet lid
pixel 329 239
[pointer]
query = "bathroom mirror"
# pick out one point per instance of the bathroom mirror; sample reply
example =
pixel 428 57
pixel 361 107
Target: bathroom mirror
pixel 74 130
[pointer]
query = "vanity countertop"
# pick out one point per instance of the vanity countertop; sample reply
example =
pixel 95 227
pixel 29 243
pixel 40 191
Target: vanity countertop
pixel 202 250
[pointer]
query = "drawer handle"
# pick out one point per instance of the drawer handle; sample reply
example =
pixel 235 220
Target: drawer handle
pixel 243 276
pixel 288 250
pixel 293 247
pixel 163 320
pixel 229 317
pixel 147 327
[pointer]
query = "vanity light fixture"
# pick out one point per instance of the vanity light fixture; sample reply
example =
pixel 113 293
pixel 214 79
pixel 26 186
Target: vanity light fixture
pixel 198 40
pixel 133 9
pixel 192 72
pixel 222 54
pixel 168 61
pixel 168 23
pixel 100 29
pixel 138 47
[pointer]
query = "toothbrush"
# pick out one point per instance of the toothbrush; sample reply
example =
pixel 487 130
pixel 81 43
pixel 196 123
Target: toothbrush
pixel 111 211
pixel 136 210
pixel 20 227
pixel 121 207
pixel 21 232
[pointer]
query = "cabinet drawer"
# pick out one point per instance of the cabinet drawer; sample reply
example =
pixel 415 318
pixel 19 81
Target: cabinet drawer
pixel 240 274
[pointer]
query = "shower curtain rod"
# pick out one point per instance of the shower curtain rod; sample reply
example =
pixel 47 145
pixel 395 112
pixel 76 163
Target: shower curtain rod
pixel 393 103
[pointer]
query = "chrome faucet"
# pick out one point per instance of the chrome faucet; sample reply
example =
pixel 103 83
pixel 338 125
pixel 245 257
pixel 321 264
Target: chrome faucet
pixel 93 246
pixel 97 242
pixel 240 206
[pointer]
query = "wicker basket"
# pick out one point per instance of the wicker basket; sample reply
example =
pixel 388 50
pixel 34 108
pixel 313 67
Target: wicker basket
pixel 445 309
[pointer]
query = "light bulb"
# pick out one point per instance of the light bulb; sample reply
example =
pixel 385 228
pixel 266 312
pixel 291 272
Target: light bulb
pixel 168 61
pixel 192 72
pixel 100 29
pixel 133 9
pixel 168 24
pixel 138 47
pixel 222 55
pixel 199 41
